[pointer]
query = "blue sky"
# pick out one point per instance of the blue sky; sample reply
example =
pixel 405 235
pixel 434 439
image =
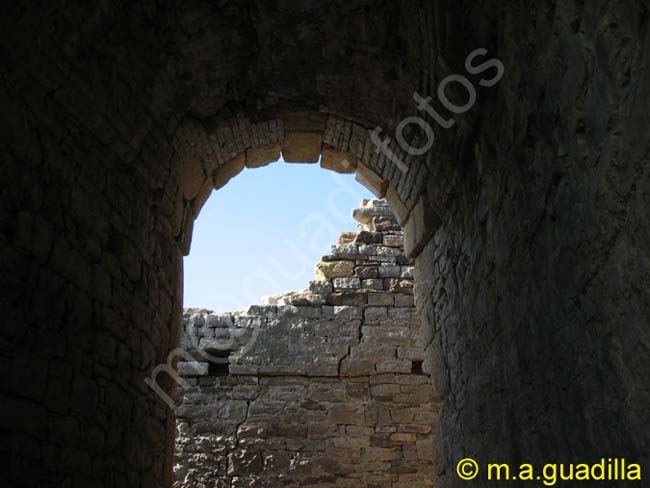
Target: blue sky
pixel 263 233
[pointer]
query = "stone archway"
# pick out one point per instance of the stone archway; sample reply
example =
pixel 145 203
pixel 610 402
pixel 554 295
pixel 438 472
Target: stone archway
pixel 208 158
pixel 534 277
pixel 209 154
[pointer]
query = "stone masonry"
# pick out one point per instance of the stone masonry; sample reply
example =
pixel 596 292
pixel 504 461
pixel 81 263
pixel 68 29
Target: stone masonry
pixel 527 220
pixel 324 387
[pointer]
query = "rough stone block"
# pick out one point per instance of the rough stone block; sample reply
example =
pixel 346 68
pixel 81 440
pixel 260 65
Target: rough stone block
pixel 422 222
pixel 349 298
pixel 412 353
pixel 264 310
pixel 384 224
pixel 358 391
pixel 384 260
pixel 394 366
pixel 387 335
pixel 384 392
pixel 374 352
pixel 223 174
pixel 399 286
pixel 400 211
pixel 383 454
pixel 417 398
pixel 320 287
pixel 367 272
pixel 375 314
pixel 302 147
pixel 346 238
pixel 389 271
pixel 404 300
pixel 351 442
pixel 371 180
pixel 334 269
pixel 192 177
pixel 347 313
pixel 219 320
pixel 256 158
pixel 403 438
pixel 316 299
pixel 402 314
pixel 243 369
pixel 350 250
pixel 304 121
pixel 381 299
pixel 339 161
pixel 346 283
pixel 309 312
pixel 192 368
pixel 425 448
pixel 373 284
pixel 345 414
pixel 415 428
pixel 367 237
pixel 393 240
pixel 356 367
pixel 367 214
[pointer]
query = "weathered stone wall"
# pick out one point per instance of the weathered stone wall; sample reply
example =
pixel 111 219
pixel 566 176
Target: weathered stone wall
pixel 536 282
pixel 324 387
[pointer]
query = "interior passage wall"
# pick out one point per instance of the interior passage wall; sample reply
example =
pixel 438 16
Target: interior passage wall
pixel 536 282
pixel 324 387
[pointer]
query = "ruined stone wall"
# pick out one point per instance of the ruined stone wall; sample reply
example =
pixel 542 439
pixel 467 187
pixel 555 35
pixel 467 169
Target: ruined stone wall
pixel 324 387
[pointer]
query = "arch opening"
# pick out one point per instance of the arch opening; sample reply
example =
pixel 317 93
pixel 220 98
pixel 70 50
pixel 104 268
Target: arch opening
pixel 262 233
pixel 202 152
pixel 322 386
